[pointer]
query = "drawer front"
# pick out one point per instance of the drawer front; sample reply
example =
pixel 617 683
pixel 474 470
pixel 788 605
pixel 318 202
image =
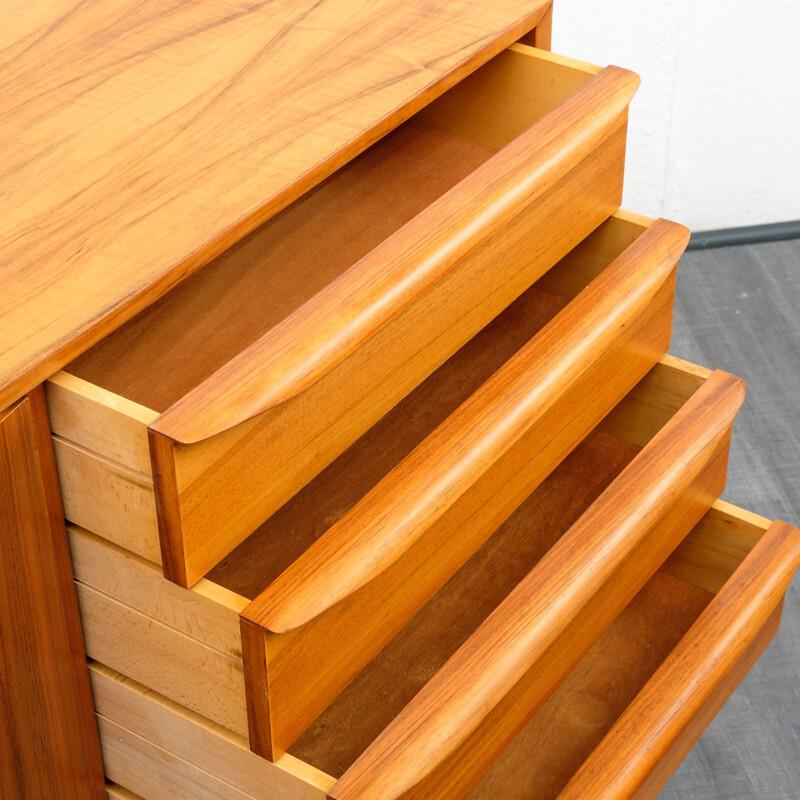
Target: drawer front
pixel 247 438
pixel 359 584
pixel 459 723
pixel 207 465
pixel 649 741
pixel 156 748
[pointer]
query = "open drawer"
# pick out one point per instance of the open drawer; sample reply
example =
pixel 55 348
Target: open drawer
pixel 227 396
pixel 186 644
pixel 457 724
pixel 356 553
pixel 616 727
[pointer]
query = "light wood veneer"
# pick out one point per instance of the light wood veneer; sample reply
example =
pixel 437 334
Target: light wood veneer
pixel 254 408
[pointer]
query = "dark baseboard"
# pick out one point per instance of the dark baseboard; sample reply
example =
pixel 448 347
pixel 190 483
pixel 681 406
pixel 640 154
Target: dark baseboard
pixel 751 234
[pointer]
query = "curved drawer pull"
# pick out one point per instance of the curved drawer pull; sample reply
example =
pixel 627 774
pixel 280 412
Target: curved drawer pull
pixel 375 568
pixel 656 731
pixel 330 326
pixel 455 727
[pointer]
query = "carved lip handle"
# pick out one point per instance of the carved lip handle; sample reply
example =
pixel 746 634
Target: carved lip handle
pixel 319 335
pixel 454 703
pixel 396 512
pixel 691 673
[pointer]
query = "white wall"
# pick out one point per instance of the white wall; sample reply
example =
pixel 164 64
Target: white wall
pixel 714 136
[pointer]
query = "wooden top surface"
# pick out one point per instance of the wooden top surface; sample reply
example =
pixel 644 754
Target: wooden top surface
pixel 141 139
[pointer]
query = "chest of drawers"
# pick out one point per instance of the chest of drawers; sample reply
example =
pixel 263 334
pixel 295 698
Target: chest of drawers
pixel 341 434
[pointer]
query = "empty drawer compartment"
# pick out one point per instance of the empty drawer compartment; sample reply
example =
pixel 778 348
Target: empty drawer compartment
pixel 400 511
pixel 234 390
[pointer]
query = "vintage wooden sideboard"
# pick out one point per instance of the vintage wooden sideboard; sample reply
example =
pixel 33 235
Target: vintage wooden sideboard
pixel 341 453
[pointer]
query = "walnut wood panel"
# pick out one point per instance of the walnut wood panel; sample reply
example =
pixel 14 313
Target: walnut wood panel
pixel 48 738
pixel 343 359
pixel 137 153
pixel 356 586
pixel 657 730
pixel 459 723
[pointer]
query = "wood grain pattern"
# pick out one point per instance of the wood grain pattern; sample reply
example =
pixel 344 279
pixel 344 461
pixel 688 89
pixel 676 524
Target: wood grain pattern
pixel 111 500
pixel 442 742
pixel 181 667
pixel 218 312
pixel 333 323
pixel 194 747
pixel 130 131
pixel 48 739
pixel 655 400
pixel 381 324
pixel 369 458
pixel 117 792
pixel 100 421
pixel 542 35
pixel 373 570
pixel 660 726
pixel 565 730
pixel 535 766
pixel 718 545
pixel 207 612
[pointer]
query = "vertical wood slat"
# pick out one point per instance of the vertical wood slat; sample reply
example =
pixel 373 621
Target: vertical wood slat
pixel 48 738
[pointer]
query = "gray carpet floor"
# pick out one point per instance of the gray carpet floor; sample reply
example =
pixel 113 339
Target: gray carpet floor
pixel 738 309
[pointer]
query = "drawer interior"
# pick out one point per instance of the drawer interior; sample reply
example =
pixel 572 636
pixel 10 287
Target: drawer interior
pixel 545 754
pixel 564 731
pixel 216 313
pixel 254 564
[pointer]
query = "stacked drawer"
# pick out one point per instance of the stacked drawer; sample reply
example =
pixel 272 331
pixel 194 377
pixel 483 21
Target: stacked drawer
pixel 417 506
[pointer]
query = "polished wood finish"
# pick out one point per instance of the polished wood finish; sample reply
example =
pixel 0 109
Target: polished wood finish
pixel 273 397
pixel 165 750
pixel 572 722
pixel 319 336
pixel 357 334
pixel 390 491
pixel 48 739
pixel 442 742
pixel 542 35
pixel 115 500
pixel 660 726
pixel 372 571
pixel 135 155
